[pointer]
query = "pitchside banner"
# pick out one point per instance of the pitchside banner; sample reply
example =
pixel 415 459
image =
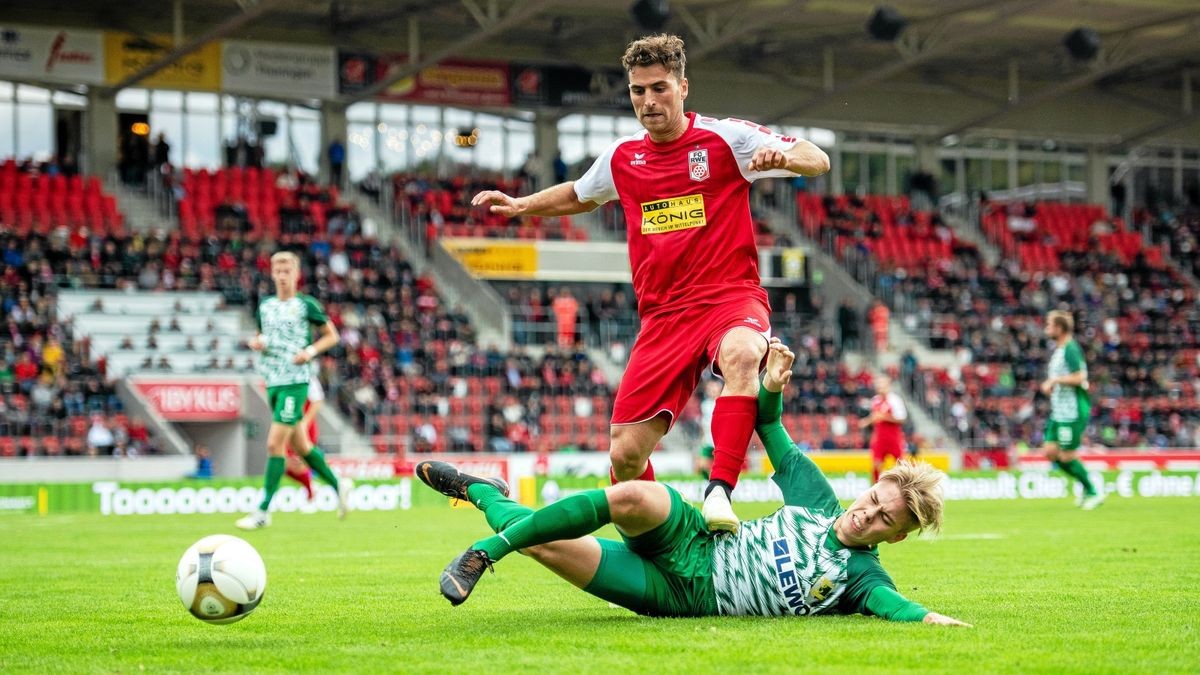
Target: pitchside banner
pixel 266 68
pixel 51 54
pixel 112 498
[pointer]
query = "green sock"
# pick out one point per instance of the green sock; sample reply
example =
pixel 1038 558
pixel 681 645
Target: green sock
pixel 499 510
pixel 581 513
pixel 1076 470
pixel 316 459
pixel 275 467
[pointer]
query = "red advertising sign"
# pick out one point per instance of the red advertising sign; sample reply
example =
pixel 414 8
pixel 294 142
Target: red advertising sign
pixel 197 400
pixel 455 82
pixel 1147 460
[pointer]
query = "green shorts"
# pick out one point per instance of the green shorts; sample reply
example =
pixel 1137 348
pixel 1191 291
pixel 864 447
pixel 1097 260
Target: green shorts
pixel 664 572
pixel 287 403
pixel 1068 435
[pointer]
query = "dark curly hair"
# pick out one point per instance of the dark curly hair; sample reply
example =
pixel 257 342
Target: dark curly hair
pixel 663 49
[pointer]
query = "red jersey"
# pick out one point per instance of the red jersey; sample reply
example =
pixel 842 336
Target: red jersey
pixel 687 210
pixel 888 435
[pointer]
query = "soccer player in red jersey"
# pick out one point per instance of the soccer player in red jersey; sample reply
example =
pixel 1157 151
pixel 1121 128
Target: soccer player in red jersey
pixel 684 185
pixel 295 468
pixel 887 415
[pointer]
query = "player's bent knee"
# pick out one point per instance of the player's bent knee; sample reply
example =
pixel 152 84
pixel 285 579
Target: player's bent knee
pixel 633 498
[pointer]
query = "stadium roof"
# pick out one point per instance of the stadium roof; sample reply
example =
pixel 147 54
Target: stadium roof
pixel 976 64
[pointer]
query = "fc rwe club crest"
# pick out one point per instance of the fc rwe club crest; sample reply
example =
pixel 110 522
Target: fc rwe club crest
pixel 698 164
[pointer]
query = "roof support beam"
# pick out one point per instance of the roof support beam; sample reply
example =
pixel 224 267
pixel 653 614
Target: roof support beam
pixel 935 48
pixel 223 29
pixel 1077 82
pixel 520 12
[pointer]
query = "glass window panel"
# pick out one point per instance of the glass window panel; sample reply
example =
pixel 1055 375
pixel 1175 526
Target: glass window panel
pixel 974 174
pixel 28 94
pixel 520 144
pixel 361 112
pixel 489 148
pixel 203 140
pixel 275 148
pixel 1026 173
pixel 306 139
pixel 851 171
pixel 7 114
pixel 571 123
pixel 424 114
pixel 360 149
pixel 904 167
pixel 66 98
pixel 35 133
pixel 6 91
pixel 999 179
pixel 166 100
pixel 1052 171
pixel 202 102
pixel 170 124
pixel 133 99
pixel 877 168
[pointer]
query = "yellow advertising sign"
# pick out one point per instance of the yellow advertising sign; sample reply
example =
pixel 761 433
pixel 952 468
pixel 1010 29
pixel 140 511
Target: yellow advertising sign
pixel 126 54
pixel 859 462
pixel 494 259
pixel 670 215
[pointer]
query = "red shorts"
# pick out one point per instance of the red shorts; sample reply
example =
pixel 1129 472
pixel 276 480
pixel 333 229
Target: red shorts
pixel 881 452
pixel 671 353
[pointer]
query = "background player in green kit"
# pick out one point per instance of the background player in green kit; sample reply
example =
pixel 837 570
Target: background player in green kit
pixel 1070 407
pixel 285 329
pixel 809 557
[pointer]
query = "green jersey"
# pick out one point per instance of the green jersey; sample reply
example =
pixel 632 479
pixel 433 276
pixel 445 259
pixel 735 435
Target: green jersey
pixel 287 327
pixel 1068 403
pixel 791 562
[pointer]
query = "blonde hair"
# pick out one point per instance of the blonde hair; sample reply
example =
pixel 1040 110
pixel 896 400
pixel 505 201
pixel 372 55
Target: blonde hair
pixel 921 486
pixel 663 49
pixel 1063 320
pixel 287 255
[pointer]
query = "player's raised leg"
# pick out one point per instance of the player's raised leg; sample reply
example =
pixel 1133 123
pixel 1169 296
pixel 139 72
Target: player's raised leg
pixel 739 359
pixel 630 447
pixel 635 507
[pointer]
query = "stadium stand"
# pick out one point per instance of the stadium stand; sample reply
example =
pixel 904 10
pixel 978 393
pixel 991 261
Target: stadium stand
pixel 1137 319
pixel 443 208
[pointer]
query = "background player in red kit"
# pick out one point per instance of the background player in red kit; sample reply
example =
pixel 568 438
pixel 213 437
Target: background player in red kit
pixel 295 468
pixel 684 185
pixel 887 415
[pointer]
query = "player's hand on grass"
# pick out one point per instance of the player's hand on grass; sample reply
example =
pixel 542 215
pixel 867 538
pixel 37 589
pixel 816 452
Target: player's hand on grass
pixel 500 203
pixel 943 620
pixel 779 366
pixel 766 159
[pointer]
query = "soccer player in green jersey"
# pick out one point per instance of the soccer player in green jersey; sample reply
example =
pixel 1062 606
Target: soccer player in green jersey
pixel 1070 407
pixel 286 323
pixel 812 556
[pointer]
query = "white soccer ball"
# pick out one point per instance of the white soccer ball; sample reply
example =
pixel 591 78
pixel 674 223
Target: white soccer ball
pixel 221 579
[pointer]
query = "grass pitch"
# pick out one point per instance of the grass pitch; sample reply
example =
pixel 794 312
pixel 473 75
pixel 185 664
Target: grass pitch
pixel 1049 589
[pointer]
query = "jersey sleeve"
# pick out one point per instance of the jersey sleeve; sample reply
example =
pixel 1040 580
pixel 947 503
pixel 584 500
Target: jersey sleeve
pixel 798 477
pixel 597 184
pixel 745 138
pixel 864 573
pixel 896 403
pixel 1073 355
pixel 887 603
pixel 314 311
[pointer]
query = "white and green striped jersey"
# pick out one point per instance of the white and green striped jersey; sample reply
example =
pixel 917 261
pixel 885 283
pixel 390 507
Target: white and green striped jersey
pixel 791 562
pixel 287 327
pixel 780 565
pixel 1068 403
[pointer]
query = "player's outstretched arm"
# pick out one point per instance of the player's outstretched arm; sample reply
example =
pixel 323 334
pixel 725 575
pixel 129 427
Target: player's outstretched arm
pixel 886 603
pixel 803 158
pixel 559 200
pixel 775 439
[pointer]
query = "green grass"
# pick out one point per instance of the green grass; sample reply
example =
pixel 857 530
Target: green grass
pixel 1049 589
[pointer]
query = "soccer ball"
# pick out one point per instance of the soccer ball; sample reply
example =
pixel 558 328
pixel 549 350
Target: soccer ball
pixel 221 579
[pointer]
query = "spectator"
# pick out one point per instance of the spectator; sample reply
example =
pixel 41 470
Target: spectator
pixel 847 320
pixel 566 312
pixel 337 160
pixel 100 439
pixel 204 464
pixel 879 316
